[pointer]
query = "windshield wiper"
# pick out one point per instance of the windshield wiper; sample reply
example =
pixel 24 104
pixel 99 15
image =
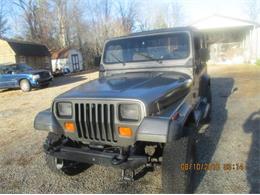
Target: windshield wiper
pixel 159 61
pixel 117 59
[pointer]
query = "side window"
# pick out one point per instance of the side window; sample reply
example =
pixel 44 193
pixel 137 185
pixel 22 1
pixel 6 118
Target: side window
pixel 5 70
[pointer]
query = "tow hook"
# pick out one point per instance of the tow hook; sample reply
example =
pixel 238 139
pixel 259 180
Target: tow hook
pixel 131 175
pixel 119 159
pixel 53 146
pixel 128 175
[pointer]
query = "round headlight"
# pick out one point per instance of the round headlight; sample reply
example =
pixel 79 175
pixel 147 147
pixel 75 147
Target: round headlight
pixel 64 109
pixel 129 112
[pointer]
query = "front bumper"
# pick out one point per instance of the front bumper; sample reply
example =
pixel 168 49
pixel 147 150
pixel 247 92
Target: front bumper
pixel 41 82
pixel 86 155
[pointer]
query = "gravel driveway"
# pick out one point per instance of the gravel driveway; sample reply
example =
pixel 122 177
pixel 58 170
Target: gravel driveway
pixel 232 137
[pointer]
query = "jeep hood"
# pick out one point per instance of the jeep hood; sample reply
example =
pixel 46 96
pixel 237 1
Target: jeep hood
pixel 145 86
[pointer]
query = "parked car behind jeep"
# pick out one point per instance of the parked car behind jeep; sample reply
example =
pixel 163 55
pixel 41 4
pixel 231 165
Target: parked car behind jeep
pixel 23 76
pixel 146 108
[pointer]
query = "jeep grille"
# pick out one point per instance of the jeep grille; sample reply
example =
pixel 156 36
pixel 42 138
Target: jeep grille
pixel 95 122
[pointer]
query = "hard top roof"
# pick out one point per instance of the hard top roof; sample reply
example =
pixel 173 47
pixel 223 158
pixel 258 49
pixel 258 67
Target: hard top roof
pixel 158 31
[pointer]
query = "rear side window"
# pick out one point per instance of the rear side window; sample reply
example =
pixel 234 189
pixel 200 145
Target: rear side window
pixel 7 69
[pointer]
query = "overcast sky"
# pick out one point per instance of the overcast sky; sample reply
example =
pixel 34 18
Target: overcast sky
pixel 193 10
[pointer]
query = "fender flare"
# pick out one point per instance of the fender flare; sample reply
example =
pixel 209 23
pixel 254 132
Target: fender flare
pixel 163 130
pixel 45 121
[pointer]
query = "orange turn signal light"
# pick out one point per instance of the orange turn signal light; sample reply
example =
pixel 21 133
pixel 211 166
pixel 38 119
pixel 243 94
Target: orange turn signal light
pixel 125 131
pixel 69 127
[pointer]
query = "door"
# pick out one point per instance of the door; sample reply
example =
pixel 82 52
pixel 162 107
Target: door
pixel 7 79
pixel 75 62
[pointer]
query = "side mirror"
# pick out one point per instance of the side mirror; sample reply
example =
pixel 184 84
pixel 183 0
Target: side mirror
pixel 204 54
pixel 97 60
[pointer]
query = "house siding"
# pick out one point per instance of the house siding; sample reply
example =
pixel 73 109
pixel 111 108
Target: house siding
pixel 37 61
pixel 7 55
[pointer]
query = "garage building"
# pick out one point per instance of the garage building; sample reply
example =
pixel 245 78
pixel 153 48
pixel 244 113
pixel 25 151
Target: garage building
pixel 33 54
pixel 230 40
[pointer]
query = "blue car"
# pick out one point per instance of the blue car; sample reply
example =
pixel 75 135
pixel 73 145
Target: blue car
pixel 23 76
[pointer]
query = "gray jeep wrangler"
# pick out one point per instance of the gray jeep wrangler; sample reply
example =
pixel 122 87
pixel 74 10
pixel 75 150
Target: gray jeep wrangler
pixel 146 107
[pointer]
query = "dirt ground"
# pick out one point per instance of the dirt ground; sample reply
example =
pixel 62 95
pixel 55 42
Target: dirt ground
pixel 232 137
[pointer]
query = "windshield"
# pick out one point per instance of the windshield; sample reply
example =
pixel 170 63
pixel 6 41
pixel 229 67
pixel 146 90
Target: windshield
pixel 147 48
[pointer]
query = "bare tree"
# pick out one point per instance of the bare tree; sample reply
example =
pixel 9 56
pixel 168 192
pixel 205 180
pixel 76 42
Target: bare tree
pixel 160 21
pixel 176 14
pixel 127 15
pixel 3 21
pixel 29 8
pixel 38 20
pixel 101 27
pixel 163 16
pixel 252 9
pixel 61 7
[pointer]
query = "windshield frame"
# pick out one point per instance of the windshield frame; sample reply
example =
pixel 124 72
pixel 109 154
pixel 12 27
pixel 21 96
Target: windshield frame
pixel 189 51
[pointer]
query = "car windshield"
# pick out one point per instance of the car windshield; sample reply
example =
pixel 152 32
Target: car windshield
pixel 147 48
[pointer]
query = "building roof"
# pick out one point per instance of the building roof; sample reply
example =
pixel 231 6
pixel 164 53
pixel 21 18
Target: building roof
pixel 217 21
pixel 25 48
pixel 60 54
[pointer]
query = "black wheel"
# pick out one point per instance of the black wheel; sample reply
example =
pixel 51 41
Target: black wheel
pixel 25 85
pixel 175 180
pixel 209 101
pixel 61 167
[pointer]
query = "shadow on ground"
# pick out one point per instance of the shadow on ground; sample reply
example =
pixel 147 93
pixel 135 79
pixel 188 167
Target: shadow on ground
pixel 68 79
pixel 71 78
pixel 252 125
pixel 60 80
pixel 221 89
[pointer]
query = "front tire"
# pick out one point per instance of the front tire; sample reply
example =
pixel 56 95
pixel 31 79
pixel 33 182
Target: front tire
pixel 65 167
pixel 25 85
pixel 174 179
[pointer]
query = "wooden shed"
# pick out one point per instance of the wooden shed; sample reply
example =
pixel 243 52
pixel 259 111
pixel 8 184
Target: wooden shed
pixel 67 58
pixel 33 54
